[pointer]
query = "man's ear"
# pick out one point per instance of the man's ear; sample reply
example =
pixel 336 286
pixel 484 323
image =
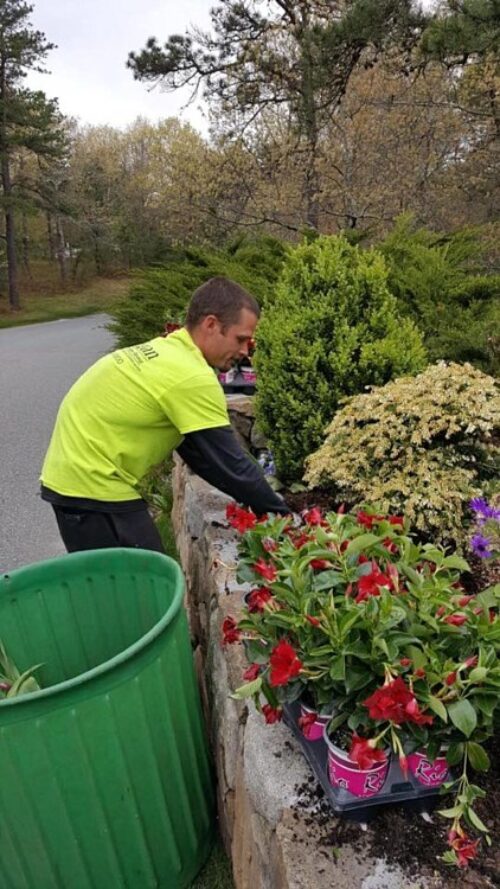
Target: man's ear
pixel 210 323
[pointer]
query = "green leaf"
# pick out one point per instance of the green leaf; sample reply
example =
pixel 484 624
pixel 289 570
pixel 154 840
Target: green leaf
pixel 476 821
pixel 478 757
pixel 455 561
pixel 337 669
pixel 360 543
pixel 478 674
pixel 247 690
pixel 438 707
pixel 450 813
pixel 463 716
pixel 24 684
pixel 455 754
pixel 327 579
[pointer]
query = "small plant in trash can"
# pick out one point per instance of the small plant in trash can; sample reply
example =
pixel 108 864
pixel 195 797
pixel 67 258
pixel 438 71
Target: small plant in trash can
pixel 12 682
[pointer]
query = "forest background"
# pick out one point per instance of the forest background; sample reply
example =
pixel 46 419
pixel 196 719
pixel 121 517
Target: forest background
pixel 371 117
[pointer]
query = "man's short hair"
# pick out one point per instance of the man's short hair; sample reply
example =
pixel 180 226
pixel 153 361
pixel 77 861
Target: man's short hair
pixel 220 297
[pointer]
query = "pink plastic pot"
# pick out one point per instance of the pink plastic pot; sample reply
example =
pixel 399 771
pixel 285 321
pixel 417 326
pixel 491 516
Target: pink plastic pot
pixel 314 731
pixel 432 774
pixel 344 773
pixel 249 376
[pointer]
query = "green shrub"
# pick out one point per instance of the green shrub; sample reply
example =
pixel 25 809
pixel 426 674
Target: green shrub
pixel 331 330
pixel 162 292
pixel 422 446
pixel 439 282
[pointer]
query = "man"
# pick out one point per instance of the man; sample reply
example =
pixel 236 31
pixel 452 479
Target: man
pixel 134 407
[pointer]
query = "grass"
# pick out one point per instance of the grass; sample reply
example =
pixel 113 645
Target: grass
pixel 44 300
pixel 217 872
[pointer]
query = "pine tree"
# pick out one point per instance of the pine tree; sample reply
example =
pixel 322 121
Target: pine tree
pixel 27 118
pixel 298 55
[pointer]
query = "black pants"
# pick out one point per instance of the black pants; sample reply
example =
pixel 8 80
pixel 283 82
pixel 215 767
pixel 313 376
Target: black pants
pixel 84 529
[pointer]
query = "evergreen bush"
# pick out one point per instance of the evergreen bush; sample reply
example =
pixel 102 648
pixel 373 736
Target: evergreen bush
pixel 422 446
pixel 331 330
pixel 161 292
pixel 439 282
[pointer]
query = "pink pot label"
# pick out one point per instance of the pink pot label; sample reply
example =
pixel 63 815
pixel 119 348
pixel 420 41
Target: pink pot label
pixel 432 774
pixel 314 731
pixel 249 376
pixel 359 782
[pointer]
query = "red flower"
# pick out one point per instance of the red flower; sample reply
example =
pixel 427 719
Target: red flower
pixel 241 519
pixel 312 620
pixel 306 723
pixel 415 714
pixel 465 848
pixel 420 673
pixel 284 664
pixel 370 584
pixel 251 672
pixel 456 619
pixel 230 632
pixel 301 540
pixel 471 661
pixel 464 600
pixel 319 564
pixel 405 661
pixel 390 546
pixel 313 516
pixel 269 544
pixel 441 610
pixel 364 754
pixel 396 520
pixel 451 678
pixel 367 520
pixel 265 570
pixel 395 702
pixel 272 714
pixel 258 598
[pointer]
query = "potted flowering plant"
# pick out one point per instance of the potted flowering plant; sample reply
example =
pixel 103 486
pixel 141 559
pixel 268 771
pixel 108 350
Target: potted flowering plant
pixel 351 611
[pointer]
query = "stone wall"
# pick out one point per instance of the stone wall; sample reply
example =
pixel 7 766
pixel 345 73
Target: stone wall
pixel 277 832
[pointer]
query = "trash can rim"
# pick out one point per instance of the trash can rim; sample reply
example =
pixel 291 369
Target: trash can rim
pixel 122 656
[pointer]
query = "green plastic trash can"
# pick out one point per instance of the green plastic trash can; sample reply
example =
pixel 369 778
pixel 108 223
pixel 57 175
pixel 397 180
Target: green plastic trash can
pixel 105 780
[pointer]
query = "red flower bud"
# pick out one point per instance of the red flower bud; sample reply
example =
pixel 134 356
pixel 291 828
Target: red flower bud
pixel 251 672
pixel 456 619
pixel 272 714
pixel 313 620
pixel 451 678
pixel 230 631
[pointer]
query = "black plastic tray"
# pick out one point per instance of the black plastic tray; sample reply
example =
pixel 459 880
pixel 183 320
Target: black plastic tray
pixel 239 386
pixel 396 790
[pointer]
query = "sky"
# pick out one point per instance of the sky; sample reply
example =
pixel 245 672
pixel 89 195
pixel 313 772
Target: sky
pixel 93 37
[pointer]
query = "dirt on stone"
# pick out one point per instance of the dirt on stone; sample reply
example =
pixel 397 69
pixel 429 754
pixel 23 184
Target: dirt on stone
pixel 405 839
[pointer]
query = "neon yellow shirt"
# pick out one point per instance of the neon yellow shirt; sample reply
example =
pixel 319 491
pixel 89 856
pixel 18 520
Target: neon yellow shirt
pixel 127 413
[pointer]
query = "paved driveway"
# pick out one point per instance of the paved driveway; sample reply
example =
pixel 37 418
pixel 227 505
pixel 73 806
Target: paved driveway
pixel 38 364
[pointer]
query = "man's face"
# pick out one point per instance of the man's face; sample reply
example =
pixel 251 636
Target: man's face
pixel 222 346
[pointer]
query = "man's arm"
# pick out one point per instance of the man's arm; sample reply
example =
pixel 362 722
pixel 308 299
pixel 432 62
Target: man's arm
pixel 217 456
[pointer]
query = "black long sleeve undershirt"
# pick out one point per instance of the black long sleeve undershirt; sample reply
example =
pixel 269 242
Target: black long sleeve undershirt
pixel 218 458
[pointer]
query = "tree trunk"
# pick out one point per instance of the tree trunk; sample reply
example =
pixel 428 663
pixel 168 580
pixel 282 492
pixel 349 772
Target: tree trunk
pixel 50 237
pixel 10 232
pixel 10 236
pixel 309 125
pixel 61 251
pixel 26 247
